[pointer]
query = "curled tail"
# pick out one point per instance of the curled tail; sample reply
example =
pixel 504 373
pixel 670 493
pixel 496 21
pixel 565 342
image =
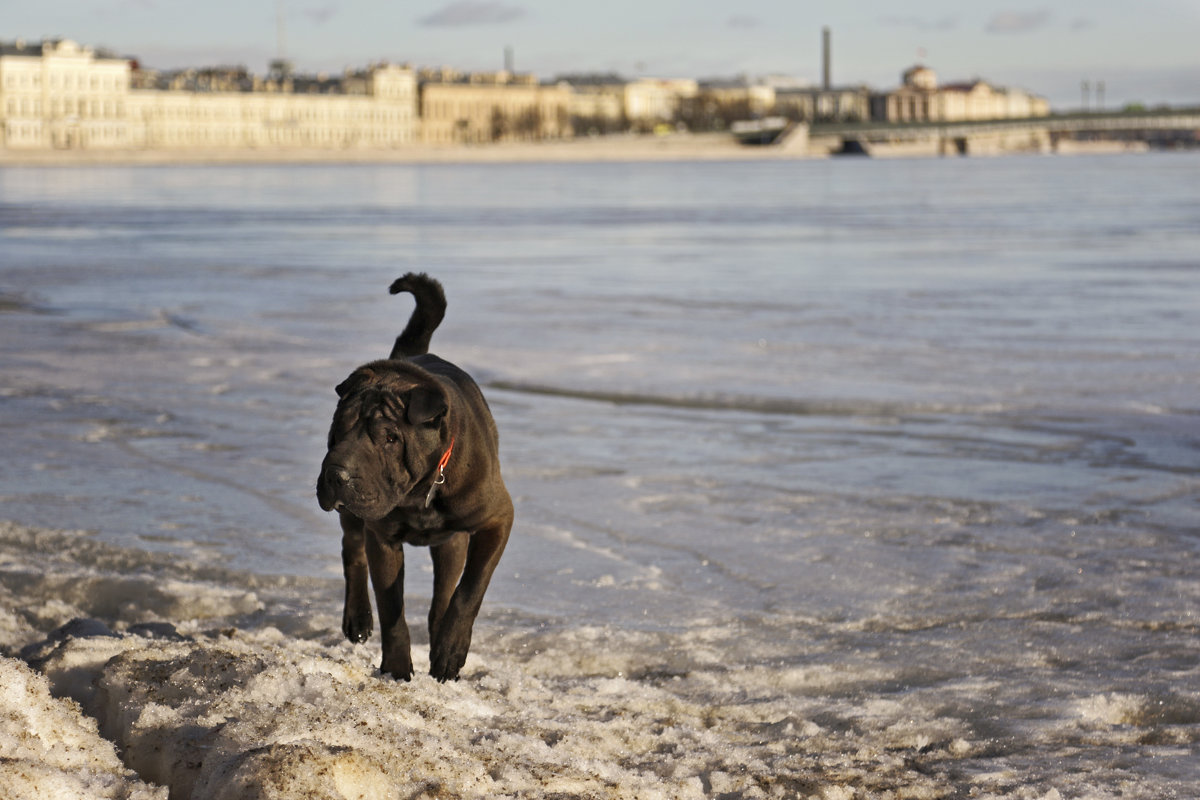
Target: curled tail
pixel 431 307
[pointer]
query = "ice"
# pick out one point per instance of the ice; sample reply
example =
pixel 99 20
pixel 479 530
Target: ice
pixel 1110 709
pixel 821 490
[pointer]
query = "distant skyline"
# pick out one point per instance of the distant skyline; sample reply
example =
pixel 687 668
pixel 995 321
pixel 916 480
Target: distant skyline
pixel 1144 52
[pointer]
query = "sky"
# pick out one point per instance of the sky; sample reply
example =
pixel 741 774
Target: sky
pixel 1143 52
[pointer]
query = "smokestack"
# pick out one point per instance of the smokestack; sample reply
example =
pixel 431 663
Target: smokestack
pixel 508 60
pixel 826 76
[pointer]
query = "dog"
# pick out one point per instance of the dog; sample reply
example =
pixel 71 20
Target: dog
pixel 413 459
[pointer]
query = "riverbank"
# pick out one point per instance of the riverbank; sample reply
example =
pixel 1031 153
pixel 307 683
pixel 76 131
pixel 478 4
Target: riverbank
pixel 608 149
pixel 674 147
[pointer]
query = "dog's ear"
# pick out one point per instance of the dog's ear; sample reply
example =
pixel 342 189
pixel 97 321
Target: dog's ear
pixel 425 405
pixel 357 379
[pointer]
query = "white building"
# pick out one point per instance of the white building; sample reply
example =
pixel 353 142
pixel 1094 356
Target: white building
pixel 649 101
pixel 58 94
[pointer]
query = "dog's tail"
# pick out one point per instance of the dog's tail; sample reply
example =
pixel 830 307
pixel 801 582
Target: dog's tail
pixel 431 308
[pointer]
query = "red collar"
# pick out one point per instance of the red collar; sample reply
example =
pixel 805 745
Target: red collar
pixel 441 473
pixel 446 457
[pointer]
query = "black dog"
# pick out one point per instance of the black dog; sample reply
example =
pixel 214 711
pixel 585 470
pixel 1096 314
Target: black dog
pixel 414 459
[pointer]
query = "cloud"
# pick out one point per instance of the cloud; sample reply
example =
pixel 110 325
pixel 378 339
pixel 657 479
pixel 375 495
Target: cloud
pixel 322 14
pixel 1082 24
pixel 1018 21
pixel 472 12
pixel 921 23
pixel 742 21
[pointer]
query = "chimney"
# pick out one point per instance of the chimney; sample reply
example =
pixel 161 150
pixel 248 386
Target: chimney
pixel 826 77
pixel 508 60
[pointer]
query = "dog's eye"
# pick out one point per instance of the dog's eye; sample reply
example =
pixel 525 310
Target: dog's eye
pixel 391 438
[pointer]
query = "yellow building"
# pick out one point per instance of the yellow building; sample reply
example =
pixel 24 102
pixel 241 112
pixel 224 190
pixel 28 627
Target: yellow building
pixel 374 110
pixel 750 99
pixel 58 94
pixel 491 107
pixel 597 103
pixel 921 99
pixel 980 100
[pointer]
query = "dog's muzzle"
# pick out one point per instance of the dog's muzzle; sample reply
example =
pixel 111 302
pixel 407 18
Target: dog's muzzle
pixel 335 483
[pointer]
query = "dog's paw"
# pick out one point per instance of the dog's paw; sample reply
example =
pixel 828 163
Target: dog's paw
pixel 357 626
pixel 448 654
pixel 447 667
pixel 399 668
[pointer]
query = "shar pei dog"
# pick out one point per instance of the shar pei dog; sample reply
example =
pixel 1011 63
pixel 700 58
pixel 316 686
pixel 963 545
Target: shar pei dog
pixel 414 459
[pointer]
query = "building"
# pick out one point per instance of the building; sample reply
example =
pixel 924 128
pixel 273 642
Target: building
pixel 478 108
pixel 720 103
pixel 608 103
pixel 597 103
pixel 59 94
pixel 750 98
pixel 375 108
pixel 921 99
pixel 980 100
pixel 650 102
pixel 847 104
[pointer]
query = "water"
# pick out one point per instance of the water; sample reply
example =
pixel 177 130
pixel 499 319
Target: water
pixel 903 454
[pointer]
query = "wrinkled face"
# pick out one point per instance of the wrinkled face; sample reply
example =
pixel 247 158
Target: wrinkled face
pixel 386 437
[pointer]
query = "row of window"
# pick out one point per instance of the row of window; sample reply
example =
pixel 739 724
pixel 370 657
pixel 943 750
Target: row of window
pixel 65 107
pixel 23 134
pixel 24 79
pixel 33 133
pixel 168 136
pixel 25 107
pixel 461 109
pixel 250 113
pixel 911 108
pixel 390 92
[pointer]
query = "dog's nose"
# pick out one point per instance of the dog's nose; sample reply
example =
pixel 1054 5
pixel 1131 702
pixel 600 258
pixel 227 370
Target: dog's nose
pixel 338 476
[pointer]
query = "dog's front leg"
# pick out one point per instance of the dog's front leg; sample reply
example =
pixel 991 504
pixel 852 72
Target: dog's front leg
pixel 357 621
pixel 386 563
pixel 448 652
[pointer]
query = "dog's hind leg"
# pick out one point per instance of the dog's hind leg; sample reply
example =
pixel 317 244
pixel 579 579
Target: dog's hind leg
pixel 448 560
pixel 448 651
pixel 357 622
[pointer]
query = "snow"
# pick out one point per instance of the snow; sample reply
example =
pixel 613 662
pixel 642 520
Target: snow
pixel 127 674
pixel 237 713
pixel 50 751
pixel 233 697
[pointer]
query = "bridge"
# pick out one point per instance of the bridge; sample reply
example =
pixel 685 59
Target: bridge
pixel 999 135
